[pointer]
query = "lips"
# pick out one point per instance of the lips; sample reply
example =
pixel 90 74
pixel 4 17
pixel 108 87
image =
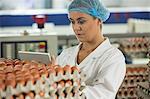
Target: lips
pixel 80 34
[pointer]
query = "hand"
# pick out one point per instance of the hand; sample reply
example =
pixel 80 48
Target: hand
pixel 53 60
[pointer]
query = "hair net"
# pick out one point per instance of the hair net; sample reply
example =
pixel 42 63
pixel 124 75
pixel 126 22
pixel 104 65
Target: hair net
pixel 92 7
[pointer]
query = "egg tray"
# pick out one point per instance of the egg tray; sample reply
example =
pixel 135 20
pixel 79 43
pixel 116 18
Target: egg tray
pixel 49 80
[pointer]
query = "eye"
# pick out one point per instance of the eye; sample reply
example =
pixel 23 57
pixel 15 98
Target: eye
pixel 81 21
pixel 73 22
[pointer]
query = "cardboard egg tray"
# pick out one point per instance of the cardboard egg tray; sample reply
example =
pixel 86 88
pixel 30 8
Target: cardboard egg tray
pixel 33 80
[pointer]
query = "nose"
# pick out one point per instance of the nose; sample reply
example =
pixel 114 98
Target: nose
pixel 77 27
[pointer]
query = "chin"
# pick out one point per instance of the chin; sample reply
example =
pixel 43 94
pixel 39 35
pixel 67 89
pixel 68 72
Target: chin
pixel 82 40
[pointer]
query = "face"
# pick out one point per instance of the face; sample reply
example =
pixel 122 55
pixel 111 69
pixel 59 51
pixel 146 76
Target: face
pixel 86 27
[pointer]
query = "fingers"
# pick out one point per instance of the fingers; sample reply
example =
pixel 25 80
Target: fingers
pixel 53 60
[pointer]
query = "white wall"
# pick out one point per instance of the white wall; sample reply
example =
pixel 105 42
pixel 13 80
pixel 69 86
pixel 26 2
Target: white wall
pixel 21 4
pixel 126 3
pixel 134 3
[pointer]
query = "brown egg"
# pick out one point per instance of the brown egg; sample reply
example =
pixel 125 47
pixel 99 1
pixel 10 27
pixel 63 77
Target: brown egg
pixel 68 82
pixel 10 76
pixel 17 68
pixel 25 62
pixel 2 85
pixel 2 69
pixel 11 97
pixel 52 71
pixel 21 96
pixel 43 72
pixel 41 93
pixel 25 70
pixel 10 82
pixel 17 62
pixel 75 68
pixel 20 80
pixel 29 78
pixel 26 66
pixel 35 63
pixel 67 68
pixel 59 70
pixel 2 76
pixel 48 68
pixel 34 71
pixel 2 64
pixel 49 65
pixel 19 73
pixel 33 67
pixel 61 83
pixel 36 76
pixel 55 66
pixel 9 64
pixel 31 95
pixel 9 69
pixel 42 68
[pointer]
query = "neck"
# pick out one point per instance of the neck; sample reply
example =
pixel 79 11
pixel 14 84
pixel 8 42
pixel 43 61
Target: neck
pixel 90 46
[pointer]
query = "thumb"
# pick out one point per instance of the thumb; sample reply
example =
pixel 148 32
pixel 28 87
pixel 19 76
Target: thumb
pixel 53 60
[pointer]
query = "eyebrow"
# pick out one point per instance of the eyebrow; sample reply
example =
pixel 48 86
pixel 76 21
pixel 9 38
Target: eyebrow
pixel 77 18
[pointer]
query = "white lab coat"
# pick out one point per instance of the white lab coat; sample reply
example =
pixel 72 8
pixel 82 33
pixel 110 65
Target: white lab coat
pixel 104 68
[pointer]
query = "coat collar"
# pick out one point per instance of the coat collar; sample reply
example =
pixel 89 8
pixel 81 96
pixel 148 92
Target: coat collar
pixel 105 45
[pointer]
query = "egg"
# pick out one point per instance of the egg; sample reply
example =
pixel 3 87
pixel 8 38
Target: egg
pixel 75 68
pixel 10 82
pixel 31 95
pixel 21 96
pixel 67 68
pixel 17 68
pixel 68 83
pixel 43 72
pixel 2 76
pixel 9 69
pixel 52 71
pixel 2 85
pixel 2 64
pixel 17 62
pixel 20 80
pixel 59 70
pixel 41 93
pixel 26 66
pixel 24 76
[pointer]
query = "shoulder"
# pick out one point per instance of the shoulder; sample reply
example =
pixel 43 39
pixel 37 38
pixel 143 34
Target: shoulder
pixel 65 56
pixel 69 50
pixel 113 56
pixel 114 52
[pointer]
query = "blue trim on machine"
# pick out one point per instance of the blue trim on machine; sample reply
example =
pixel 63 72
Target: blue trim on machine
pixel 62 19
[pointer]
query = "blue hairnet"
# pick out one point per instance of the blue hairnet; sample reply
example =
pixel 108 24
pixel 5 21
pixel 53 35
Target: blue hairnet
pixel 92 7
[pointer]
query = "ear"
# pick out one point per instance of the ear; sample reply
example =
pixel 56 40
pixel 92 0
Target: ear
pixel 99 22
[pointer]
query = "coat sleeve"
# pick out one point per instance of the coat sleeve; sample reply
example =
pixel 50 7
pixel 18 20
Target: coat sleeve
pixel 108 80
pixel 61 59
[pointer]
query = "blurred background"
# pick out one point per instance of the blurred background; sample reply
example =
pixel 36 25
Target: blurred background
pixel 43 26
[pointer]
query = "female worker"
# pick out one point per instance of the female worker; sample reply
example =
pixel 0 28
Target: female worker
pixel 103 64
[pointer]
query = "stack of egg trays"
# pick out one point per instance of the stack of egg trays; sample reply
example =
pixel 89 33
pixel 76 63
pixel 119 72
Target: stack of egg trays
pixel 50 87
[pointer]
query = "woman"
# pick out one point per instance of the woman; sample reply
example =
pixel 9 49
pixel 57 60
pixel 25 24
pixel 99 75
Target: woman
pixel 103 64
